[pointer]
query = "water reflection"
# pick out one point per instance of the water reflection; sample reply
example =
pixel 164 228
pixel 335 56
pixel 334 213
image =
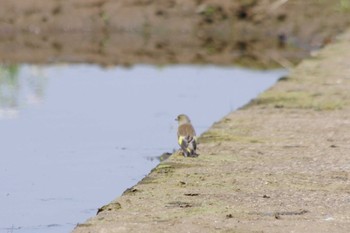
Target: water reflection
pixel 36 86
pixel 82 134
pixel 13 89
pixel 9 91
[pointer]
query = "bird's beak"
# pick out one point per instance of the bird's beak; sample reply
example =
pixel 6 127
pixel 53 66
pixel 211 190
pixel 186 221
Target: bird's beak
pixel 176 119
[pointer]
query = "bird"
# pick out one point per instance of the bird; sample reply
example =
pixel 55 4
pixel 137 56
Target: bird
pixel 186 136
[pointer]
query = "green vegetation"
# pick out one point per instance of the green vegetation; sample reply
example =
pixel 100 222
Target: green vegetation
pixel 9 86
pixel 220 136
pixel 105 18
pixel 344 5
pixel 298 99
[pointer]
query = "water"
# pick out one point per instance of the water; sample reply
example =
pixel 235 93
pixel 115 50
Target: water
pixel 74 137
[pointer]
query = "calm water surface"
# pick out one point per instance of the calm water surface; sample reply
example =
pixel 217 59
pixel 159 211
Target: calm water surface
pixel 74 137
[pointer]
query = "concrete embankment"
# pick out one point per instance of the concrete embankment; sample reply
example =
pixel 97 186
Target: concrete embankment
pixel 280 164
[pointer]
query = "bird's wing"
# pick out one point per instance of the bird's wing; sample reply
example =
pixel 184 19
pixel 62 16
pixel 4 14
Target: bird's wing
pixel 186 130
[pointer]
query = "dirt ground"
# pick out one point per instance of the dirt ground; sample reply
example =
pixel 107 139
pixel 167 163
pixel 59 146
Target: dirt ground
pixel 263 34
pixel 280 164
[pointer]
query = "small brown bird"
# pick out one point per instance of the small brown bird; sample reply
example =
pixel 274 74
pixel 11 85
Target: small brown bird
pixel 186 136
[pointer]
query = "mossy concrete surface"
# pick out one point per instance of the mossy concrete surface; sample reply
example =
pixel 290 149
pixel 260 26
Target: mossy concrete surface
pixel 280 164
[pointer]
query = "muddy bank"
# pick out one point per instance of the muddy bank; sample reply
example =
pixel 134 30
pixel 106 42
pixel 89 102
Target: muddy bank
pixel 280 164
pixel 251 33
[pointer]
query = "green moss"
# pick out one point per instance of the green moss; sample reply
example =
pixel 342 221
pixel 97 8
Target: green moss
pixel 131 191
pixel 105 17
pixel 220 135
pixel 147 180
pixel 344 5
pixel 163 168
pixel 84 225
pixel 209 11
pixel 113 206
pixel 169 167
pixel 297 99
pixel 255 64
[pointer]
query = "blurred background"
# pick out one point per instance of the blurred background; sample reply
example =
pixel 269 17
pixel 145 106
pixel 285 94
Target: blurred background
pixel 89 89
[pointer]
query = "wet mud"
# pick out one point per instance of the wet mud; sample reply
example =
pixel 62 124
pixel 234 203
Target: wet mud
pixel 261 34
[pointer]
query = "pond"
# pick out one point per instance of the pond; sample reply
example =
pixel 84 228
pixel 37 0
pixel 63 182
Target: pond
pixel 74 137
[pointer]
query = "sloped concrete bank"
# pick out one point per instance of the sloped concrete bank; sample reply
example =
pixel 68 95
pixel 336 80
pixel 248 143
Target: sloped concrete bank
pixel 280 164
